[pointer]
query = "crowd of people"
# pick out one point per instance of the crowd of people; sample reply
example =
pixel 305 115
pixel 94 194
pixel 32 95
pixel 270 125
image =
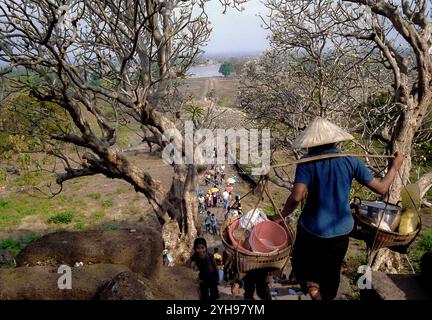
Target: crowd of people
pixel 215 268
pixel 219 194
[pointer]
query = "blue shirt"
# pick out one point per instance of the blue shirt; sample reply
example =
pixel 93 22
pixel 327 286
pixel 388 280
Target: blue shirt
pixel 327 212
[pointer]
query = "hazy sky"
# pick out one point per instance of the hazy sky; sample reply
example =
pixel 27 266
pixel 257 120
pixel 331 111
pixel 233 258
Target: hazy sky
pixel 234 31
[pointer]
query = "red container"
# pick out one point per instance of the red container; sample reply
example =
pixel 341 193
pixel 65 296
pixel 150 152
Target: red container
pixel 268 236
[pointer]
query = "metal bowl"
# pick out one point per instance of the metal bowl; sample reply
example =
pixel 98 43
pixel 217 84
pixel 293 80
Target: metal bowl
pixel 374 210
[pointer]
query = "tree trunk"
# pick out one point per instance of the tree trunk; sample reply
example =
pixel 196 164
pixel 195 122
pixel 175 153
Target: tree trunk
pixel 402 141
pixel 425 183
pixel 180 231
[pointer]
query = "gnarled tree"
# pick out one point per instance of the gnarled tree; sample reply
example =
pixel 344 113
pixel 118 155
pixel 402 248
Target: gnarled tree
pixel 394 34
pixel 103 63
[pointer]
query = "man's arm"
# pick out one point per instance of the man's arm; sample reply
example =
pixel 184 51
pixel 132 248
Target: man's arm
pixel 294 199
pixel 381 186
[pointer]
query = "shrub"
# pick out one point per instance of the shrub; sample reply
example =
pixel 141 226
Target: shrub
pixel 107 203
pixel 425 242
pixel 16 245
pixel 423 245
pixel 79 225
pixel 98 214
pixel 3 175
pixel 64 217
pixel 4 203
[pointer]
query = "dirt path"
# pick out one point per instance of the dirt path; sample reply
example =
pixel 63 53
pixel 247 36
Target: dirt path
pixel 205 90
pixel 209 85
pixel 214 241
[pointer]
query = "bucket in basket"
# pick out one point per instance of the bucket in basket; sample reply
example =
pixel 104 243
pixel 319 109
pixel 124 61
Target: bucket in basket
pixel 244 247
pixel 268 236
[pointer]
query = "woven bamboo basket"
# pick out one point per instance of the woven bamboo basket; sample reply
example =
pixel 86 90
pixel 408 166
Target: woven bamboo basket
pixel 251 261
pixel 365 230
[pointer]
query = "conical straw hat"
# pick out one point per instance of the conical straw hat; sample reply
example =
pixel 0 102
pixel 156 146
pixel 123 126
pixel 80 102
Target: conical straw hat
pixel 320 132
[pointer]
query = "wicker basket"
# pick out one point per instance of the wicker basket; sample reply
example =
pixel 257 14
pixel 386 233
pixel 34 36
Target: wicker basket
pixel 365 230
pixel 251 261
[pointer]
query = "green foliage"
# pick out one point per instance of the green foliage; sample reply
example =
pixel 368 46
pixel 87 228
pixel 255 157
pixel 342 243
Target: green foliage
pixel 123 137
pixel 361 258
pixel 64 217
pixel 3 175
pixel 25 115
pixel 107 203
pixel 423 245
pixel 127 134
pixel 425 242
pixel 14 246
pixel 79 225
pixel 226 68
pixel 3 203
pixel 25 160
pixel 11 145
pixel 13 209
pixel 268 210
pixel 98 214
pixel 196 111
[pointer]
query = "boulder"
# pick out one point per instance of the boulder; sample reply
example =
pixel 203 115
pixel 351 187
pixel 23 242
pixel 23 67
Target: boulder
pixel 139 250
pixel 127 286
pixel 176 283
pixel 41 282
pixel 345 292
pixel 396 287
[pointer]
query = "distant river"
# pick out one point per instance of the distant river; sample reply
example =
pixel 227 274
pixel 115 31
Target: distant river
pixel 211 70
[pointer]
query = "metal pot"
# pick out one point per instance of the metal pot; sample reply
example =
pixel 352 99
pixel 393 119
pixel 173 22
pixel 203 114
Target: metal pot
pixel 374 210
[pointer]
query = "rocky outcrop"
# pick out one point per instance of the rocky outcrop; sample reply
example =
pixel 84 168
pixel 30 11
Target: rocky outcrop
pixel 177 283
pixel 397 287
pixel 41 282
pixel 126 286
pixel 345 292
pixel 139 250
pixel 104 265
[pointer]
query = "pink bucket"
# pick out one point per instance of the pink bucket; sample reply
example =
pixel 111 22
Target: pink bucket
pixel 245 248
pixel 268 236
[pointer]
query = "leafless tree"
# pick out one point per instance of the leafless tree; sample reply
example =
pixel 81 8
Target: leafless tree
pixel 308 72
pixel 105 63
pixel 395 34
pixel 354 35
